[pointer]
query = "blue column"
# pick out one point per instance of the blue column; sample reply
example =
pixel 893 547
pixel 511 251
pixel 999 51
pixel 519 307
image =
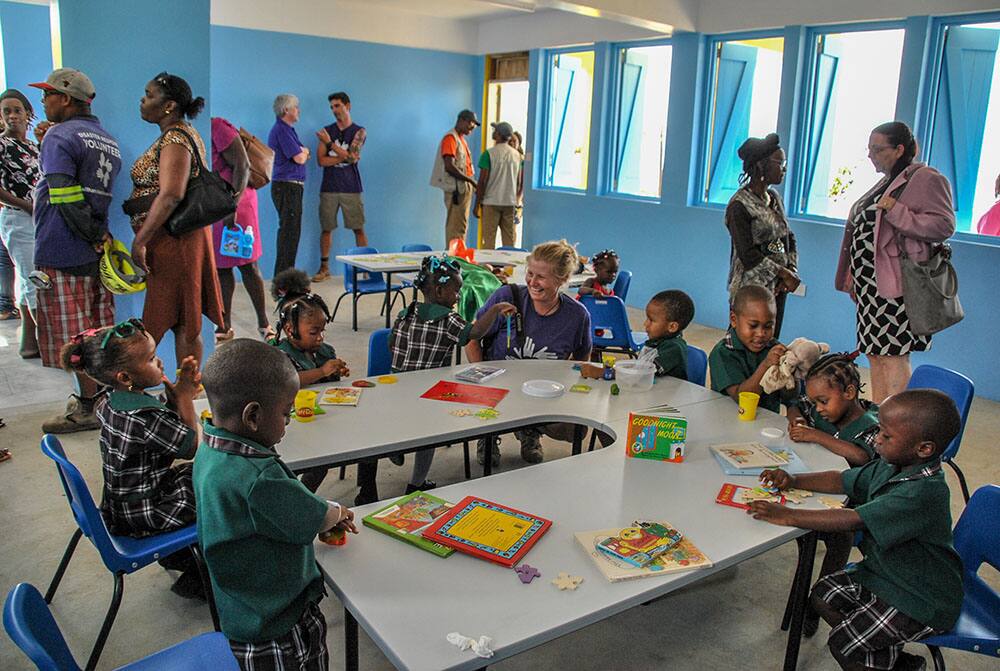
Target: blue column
pixel 913 94
pixel 121 45
pixel 684 121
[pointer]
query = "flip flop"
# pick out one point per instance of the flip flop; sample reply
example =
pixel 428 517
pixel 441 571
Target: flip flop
pixel 224 336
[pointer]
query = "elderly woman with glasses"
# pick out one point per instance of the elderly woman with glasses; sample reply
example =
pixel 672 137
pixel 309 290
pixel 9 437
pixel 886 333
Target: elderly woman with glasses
pixel 763 246
pixel 910 206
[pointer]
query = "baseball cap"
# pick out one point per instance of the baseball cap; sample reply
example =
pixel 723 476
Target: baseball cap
pixel 503 129
pixel 468 115
pixel 72 82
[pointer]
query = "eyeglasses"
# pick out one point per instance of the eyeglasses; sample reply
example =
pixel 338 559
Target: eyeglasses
pixel 50 92
pixel 124 329
pixel 783 163
pixel 875 149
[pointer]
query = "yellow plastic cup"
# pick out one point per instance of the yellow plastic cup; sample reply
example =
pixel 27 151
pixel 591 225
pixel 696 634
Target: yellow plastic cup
pixel 305 405
pixel 748 406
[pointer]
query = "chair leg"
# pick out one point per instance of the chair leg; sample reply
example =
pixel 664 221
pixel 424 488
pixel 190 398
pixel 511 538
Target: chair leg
pixel 468 466
pixel 343 472
pixel 346 293
pixel 109 620
pixel 961 479
pixel 936 657
pixel 206 584
pixel 63 563
pixel 593 440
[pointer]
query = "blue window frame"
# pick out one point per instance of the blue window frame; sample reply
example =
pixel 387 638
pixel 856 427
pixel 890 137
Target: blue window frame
pixel 744 81
pixel 569 98
pixel 639 123
pixel 964 116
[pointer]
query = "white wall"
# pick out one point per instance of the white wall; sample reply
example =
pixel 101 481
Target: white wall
pixel 551 29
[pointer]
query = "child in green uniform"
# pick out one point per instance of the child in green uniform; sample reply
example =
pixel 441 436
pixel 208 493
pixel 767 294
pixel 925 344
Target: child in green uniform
pixel 256 522
pixel 909 585
pixel 668 313
pixel 738 361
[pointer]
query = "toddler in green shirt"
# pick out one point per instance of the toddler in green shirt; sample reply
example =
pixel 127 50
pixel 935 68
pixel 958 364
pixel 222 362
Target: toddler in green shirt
pixel 668 313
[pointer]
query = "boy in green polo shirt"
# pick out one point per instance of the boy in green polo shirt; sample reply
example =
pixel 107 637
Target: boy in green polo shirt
pixel 738 361
pixel 909 584
pixel 668 313
pixel 256 521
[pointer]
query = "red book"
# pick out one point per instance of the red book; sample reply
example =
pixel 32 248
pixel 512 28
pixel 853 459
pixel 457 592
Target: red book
pixel 488 530
pixel 733 495
pixel 473 394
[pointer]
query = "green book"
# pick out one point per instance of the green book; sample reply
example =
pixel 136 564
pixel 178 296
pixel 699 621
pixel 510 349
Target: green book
pixel 406 518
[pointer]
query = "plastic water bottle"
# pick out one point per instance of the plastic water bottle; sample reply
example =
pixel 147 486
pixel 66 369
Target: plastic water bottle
pixel 246 249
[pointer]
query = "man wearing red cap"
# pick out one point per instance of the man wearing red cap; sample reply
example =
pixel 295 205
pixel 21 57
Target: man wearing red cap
pixel 79 163
pixel 453 175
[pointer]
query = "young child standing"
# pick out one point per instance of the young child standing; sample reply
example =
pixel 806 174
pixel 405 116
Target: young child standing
pixel 144 492
pixel 909 585
pixel 738 361
pixel 425 335
pixel 668 313
pixel 606 265
pixel 256 522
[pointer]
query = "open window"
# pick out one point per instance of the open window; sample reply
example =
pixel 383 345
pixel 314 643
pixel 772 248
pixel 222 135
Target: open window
pixel 567 137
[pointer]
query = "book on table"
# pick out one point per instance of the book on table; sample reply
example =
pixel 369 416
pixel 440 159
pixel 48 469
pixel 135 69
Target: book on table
pixel 408 517
pixel 750 455
pixel 640 544
pixel 488 530
pixel 479 373
pixel 682 555
pixel 739 496
pixel 656 434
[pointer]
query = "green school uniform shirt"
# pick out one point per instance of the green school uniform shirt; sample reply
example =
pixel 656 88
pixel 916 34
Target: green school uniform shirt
pixel 309 360
pixel 910 561
pixel 256 526
pixel 732 363
pixel 669 354
pixel 862 432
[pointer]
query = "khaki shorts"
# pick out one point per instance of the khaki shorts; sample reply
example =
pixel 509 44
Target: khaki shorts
pixel 352 204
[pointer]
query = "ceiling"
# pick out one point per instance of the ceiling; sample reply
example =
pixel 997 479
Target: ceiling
pixel 446 9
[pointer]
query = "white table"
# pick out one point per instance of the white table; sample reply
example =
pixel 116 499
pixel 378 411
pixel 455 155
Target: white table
pixel 408 262
pixel 407 600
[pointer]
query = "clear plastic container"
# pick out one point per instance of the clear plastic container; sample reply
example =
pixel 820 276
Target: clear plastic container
pixel 633 375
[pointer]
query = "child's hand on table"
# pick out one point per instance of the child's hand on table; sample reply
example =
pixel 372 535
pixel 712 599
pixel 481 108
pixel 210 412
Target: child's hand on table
pixel 775 513
pixel 336 367
pixel 347 521
pixel 777 478
pixel 801 433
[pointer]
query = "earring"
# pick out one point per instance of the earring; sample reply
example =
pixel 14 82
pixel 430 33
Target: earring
pixel 131 387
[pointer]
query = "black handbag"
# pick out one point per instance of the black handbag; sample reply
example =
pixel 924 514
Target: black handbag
pixel 208 199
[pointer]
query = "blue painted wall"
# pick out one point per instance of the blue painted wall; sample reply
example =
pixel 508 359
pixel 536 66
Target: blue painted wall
pixel 27 51
pixel 407 99
pixel 672 244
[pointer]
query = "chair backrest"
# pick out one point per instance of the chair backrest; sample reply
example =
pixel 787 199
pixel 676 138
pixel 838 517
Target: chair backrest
pixel 960 388
pixel 417 247
pixel 348 275
pixel 697 365
pixel 977 540
pixel 622 283
pixel 379 356
pixel 607 314
pixel 30 624
pixel 81 502
pixel 508 248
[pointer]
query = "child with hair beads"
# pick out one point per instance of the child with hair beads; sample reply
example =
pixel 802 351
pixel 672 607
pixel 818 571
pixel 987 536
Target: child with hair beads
pixel 144 492
pixel 425 335
pixel 738 361
pixel 256 522
pixel 668 313
pixel 832 413
pixel 909 584
pixel 605 264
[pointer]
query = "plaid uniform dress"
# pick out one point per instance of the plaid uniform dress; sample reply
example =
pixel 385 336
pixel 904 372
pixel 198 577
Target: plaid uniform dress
pixel 140 439
pixel 424 336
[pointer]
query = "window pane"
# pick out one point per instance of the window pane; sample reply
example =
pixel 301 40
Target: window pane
pixel 641 120
pixel 567 151
pixel 853 89
pixel 966 119
pixel 745 90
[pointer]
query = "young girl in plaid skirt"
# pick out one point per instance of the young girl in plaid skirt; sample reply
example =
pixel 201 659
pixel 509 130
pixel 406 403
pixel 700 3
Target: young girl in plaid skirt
pixel 144 492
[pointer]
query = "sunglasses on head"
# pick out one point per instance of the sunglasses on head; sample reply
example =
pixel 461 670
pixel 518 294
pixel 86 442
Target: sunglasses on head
pixel 125 329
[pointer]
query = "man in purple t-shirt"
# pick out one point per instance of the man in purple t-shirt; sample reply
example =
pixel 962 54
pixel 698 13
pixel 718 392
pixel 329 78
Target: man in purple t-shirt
pixel 79 163
pixel 338 153
pixel 288 178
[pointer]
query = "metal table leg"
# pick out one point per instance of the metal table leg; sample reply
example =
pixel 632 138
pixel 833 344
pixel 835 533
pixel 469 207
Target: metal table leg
pixel 807 557
pixel 354 298
pixel 350 641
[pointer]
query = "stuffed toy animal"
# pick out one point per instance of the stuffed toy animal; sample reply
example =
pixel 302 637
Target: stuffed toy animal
pixel 800 356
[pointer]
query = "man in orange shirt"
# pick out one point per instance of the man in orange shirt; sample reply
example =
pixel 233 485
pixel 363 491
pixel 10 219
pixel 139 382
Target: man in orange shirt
pixel 453 175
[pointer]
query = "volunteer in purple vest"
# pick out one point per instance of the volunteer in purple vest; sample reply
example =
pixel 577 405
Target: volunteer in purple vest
pixel 555 326
pixel 338 154
pixel 287 179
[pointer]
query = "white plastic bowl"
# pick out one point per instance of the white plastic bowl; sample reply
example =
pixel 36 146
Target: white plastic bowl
pixel 634 375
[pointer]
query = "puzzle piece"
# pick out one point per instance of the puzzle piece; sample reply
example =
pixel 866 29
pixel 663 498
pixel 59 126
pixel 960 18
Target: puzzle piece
pixel 461 412
pixel 830 502
pixel 388 379
pixel 487 413
pixel 797 495
pixel 566 581
pixel 527 573
pixel 759 494
pixel 580 388
pixel 364 384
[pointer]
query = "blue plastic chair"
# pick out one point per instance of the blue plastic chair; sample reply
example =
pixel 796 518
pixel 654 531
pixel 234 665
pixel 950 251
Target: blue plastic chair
pixel 30 624
pixel 414 247
pixel 961 390
pixel 622 283
pixel 697 365
pixel 121 554
pixel 374 284
pixel 379 356
pixel 977 540
pixel 608 316
pixel 508 248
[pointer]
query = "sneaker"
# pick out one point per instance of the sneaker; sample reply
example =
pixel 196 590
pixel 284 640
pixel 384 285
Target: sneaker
pixel 531 447
pixel 907 662
pixel 423 487
pixel 323 274
pixel 189 586
pixel 481 453
pixel 74 419
pixel 810 625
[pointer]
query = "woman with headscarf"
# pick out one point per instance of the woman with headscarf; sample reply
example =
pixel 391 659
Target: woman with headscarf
pixel 763 248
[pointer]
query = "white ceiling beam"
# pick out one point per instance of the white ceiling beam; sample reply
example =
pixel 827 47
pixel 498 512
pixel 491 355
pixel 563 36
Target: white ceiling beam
pixel 654 15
